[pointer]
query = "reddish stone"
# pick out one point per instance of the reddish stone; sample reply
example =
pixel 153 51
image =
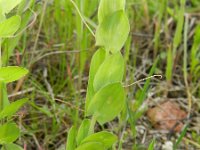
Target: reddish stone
pixel 166 116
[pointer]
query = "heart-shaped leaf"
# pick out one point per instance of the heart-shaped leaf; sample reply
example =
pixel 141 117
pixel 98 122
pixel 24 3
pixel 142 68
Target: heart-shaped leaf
pixel 106 138
pixel 97 60
pixel 106 8
pixel 107 103
pixel 8 133
pixel 12 73
pixel 11 146
pixel 9 26
pixel 8 5
pixel 12 108
pixel 111 70
pixel 113 31
pixel 9 44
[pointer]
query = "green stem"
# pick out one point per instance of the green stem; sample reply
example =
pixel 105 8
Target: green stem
pixel 0 54
pixel 1 88
pixel 1 96
pixel 93 122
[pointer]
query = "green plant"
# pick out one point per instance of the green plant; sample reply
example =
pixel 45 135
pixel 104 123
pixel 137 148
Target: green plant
pixel 195 55
pixel 196 137
pixel 106 96
pixel 9 131
pixel 171 53
pixel 180 137
pixel 151 145
pixel 23 10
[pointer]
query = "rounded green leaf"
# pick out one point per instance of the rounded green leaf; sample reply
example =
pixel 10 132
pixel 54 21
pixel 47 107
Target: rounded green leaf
pixel 11 147
pixel 9 132
pixel 8 5
pixel 107 103
pixel 97 60
pixel 111 70
pixel 9 26
pixel 91 146
pixel 11 109
pixel 12 73
pixel 83 131
pixel 113 31
pixel 104 137
pixel 107 7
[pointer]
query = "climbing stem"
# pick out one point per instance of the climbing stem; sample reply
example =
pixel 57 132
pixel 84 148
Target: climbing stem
pixel 1 88
pixel 0 54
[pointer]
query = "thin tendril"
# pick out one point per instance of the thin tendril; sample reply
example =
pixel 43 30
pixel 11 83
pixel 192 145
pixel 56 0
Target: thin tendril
pixel 153 76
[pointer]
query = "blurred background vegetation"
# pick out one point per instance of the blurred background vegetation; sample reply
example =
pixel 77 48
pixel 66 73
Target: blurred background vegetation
pixel 57 49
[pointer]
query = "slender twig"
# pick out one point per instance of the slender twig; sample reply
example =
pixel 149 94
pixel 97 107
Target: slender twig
pixel 36 142
pixel 185 65
pixel 69 104
pixel 21 92
pixel 57 52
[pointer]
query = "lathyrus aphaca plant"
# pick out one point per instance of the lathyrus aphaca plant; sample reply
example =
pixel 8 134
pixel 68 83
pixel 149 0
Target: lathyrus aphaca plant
pixel 9 131
pixel 22 9
pixel 106 96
